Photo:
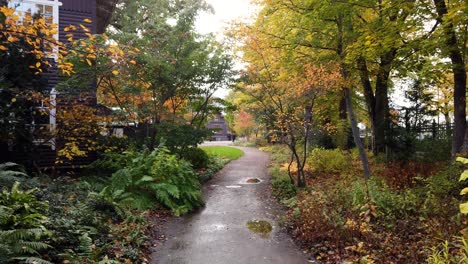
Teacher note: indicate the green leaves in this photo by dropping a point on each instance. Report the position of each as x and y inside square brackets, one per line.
[160, 177]
[463, 177]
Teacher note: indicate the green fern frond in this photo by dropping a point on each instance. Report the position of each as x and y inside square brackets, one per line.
[7, 165]
[32, 260]
[86, 245]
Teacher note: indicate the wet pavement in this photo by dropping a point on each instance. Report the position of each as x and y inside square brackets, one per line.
[218, 233]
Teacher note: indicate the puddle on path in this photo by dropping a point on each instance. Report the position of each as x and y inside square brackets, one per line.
[260, 227]
[233, 186]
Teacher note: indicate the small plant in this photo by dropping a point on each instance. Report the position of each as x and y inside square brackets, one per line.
[446, 252]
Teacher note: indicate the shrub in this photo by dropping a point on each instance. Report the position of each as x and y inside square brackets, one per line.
[428, 153]
[314, 219]
[282, 187]
[215, 164]
[196, 156]
[325, 160]
[391, 205]
[111, 162]
[22, 233]
[160, 176]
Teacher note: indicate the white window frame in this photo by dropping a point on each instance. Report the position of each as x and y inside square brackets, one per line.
[53, 93]
[54, 3]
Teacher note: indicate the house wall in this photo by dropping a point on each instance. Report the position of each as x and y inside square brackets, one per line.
[72, 12]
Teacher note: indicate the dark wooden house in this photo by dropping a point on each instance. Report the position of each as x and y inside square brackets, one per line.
[221, 130]
[64, 13]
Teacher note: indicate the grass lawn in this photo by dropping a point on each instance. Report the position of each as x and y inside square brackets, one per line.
[223, 152]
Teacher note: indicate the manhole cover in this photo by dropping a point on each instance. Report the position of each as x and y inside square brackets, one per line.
[253, 180]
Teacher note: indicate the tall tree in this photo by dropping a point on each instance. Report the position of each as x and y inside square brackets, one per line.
[455, 48]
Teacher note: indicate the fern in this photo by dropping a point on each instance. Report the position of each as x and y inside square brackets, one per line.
[21, 226]
[170, 181]
[8, 176]
[33, 260]
[21, 244]
[86, 245]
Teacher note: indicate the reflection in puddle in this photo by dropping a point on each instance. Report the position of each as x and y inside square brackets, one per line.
[261, 227]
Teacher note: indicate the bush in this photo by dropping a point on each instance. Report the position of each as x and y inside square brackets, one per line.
[196, 156]
[326, 160]
[111, 162]
[215, 164]
[391, 205]
[22, 231]
[162, 177]
[282, 187]
[428, 153]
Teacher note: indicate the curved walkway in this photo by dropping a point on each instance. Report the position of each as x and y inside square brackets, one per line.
[218, 233]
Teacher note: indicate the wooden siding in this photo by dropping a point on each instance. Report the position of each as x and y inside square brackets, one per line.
[72, 12]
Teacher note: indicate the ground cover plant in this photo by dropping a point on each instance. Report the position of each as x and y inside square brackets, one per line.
[341, 217]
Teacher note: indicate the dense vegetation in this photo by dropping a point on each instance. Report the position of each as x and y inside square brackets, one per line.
[99, 217]
[160, 75]
[363, 105]
[341, 217]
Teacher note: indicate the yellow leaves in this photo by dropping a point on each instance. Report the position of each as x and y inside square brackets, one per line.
[464, 208]
[84, 28]
[133, 62]
[87, 20]
[89, 62]
[38, 64]
[115, 73]
[464, 191]
[7, 12]
[12, 39]
[3, 48]
[13, 100]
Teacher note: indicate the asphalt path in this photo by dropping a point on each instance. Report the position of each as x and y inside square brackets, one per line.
[218, 232]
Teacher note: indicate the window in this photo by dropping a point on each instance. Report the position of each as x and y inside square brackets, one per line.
[43, 117]
[49, 9]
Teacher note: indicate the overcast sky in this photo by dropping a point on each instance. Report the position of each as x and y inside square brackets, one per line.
[225, 11]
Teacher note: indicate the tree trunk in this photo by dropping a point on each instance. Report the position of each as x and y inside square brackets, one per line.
[382, 115]
[354, 127]
[369, 96]
[307, 126]
[459, 79]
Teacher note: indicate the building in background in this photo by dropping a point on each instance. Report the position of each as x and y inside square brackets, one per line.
[221, 130]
